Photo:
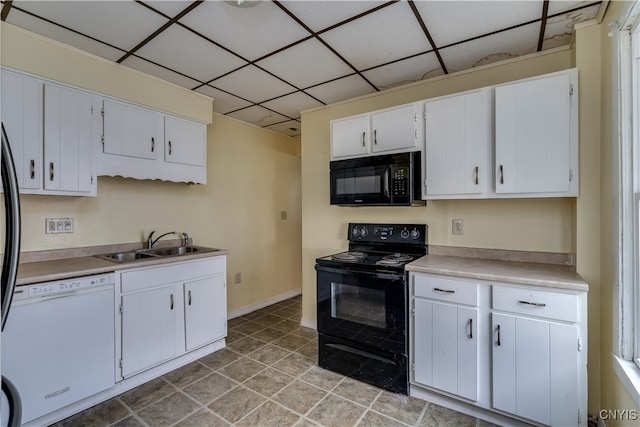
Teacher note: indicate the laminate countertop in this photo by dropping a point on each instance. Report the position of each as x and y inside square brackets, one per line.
[524, 273]
[45, 270]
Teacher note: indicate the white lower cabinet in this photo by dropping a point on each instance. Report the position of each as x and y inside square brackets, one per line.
[444, 334]
[169, 310]
[515, 349]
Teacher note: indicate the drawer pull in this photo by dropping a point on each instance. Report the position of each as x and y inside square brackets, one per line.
[535, 304]
[470, 329]
[498, 329]
[446, 291]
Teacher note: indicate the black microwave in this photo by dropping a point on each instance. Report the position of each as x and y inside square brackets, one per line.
[386, 180]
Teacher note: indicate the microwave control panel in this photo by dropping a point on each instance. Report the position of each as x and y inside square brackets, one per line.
[400, 181]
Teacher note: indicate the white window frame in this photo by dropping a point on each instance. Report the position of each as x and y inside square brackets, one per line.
[626, 114]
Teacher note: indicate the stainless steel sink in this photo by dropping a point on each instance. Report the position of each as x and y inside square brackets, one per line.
[154, 253]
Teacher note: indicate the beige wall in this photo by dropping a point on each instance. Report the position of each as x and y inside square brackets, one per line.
[253, 175]
[534, 225]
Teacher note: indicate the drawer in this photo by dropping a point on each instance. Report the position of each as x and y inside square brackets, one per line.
[445, 289]
[143, 278]
[533, 302]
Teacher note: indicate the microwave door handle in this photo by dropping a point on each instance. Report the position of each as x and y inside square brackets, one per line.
[387, 174]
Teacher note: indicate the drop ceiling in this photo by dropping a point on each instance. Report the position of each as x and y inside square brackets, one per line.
[265, 61]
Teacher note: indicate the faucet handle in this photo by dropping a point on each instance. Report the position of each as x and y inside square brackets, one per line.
[150, 240]
[185, 241]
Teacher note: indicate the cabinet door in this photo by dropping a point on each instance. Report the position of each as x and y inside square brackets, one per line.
[395, 128]
[504, 362]
[350, 136]
[22, 119]
[130, 131]
[205, 311]
[534, 136]
[149, 328]
[446, 347]
[185, 142]
[68, 163]
[455, 133]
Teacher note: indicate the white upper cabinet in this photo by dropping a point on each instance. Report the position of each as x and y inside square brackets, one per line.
[185, 141]
[350, 136]
[537, 136]
[392, 130]
[396, 129]
[51, 129]
[22, 119]
[457, 155]
[68, 160]
[130, 130]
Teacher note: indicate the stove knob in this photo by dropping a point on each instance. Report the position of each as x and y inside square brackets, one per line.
[404, 233]
[355, 231]
[415, 233]
[364, 232]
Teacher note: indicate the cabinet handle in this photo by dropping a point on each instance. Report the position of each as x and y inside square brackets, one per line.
[32, 169]
[501, 175]
[375, 137]
[447, 291]
[535, 304]
[363, 135]
[477, 170]
[471, 329]
[50, 171]
[498, 328]
[189, 297]
[170, 149]
[153, 144]
[171, 299]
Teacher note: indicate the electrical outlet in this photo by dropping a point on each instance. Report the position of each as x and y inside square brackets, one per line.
[58, 225]
[238, 278]
[457, 226]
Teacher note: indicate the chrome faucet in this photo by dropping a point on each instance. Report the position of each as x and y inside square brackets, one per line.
[185, 239]
[151, 241]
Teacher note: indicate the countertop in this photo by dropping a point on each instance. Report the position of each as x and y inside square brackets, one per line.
[64, 268]
[524, 273]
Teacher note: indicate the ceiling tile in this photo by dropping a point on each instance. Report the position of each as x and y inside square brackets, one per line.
[251, 32]
[62, 35]
[258, 116]
[559, 29]
[290, 128]
[557, 6]
[341, 89]
[168, 7]
[223, 102]
[159, 72]
[243, 84]
[366, 42]
[403, 72]
[453, 21]
[123, 26]
[189, 54]
[292, 104]
[319, 15]
[498, 47]
[306, 64]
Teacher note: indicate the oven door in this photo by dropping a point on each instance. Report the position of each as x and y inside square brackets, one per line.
[363, 307]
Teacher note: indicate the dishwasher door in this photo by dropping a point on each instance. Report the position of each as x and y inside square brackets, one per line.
[58, 347]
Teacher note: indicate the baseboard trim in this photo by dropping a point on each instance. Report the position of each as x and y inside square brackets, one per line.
[262, 304]
[308, 323]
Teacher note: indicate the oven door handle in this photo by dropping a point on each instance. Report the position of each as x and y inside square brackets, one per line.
[386, 182]
[361, 273]
[363, 353]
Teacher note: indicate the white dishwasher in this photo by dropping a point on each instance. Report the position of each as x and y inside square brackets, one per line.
[58, 343]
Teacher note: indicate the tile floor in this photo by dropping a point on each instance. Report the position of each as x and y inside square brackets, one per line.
[267, 376]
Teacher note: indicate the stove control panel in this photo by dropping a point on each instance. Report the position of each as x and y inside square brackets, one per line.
[413, 234]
